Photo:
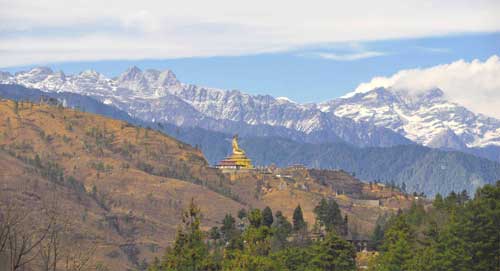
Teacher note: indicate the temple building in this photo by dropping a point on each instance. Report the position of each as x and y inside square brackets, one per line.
[237, 160]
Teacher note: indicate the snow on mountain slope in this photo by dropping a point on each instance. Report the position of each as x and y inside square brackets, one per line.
[157, 96]
[380, 117]
[426, 118]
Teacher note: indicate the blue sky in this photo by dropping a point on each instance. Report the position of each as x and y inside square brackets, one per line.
[309, 74]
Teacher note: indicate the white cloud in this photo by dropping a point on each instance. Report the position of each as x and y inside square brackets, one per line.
[219, 27]
[475, 84]
[350, 56]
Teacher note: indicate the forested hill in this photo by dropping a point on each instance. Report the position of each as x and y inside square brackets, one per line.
[457, 233]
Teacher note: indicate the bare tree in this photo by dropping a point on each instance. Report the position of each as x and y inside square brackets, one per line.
[41, 236]
[8, 220]
[79, 257]
[23, 240]
[49, 249]
[14, 245]
[60, 250]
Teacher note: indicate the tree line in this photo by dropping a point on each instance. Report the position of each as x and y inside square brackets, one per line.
[260, 240]
[455, 233]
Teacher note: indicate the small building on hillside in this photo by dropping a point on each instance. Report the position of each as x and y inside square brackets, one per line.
[297, 167]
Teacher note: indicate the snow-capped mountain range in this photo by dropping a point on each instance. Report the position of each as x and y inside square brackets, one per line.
[380, 117]
[426, 118]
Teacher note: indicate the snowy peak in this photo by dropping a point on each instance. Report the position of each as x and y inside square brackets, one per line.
[133, 79]
[34, 75]
[147, 84]
[425, 117]
[167, 78]
[153, 77]
[40, 71]
[432, 95]
[90, 74]
[131, 74]
[285, 100]
[416, 99]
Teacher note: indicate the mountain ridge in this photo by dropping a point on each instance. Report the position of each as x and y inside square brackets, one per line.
[141, 95]
[380, 117]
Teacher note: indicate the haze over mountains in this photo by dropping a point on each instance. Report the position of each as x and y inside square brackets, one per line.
[312, 134]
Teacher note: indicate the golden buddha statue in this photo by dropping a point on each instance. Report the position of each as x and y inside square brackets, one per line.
[237, 160]
[236, 148]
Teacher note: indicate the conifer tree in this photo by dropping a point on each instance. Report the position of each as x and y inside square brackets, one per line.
[282, 229]
[255, 218]
[242, 213]
[452, 249]
[457, 234]
[328, 215]
[189, 252]
[438, 201]
[298, 219]
[397, 247]
[333, 253]
[228, 227]
[267, 217]
[214, 233]
[377, 236]
[480, 224]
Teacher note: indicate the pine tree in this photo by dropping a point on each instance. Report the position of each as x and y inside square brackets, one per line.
[242, 213]
[255, 218]
[480, 224]
[438, 201]
[298, 219]
[452, 251]
[228, 227]
[463, 197]
[451, 201]
[328, 215]
[214, 233]
[397, 250]
[333, 253]
[189, 252]
[295, 258]
[457, 234]
[282, 229]
[267, 217]
[377, 236]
